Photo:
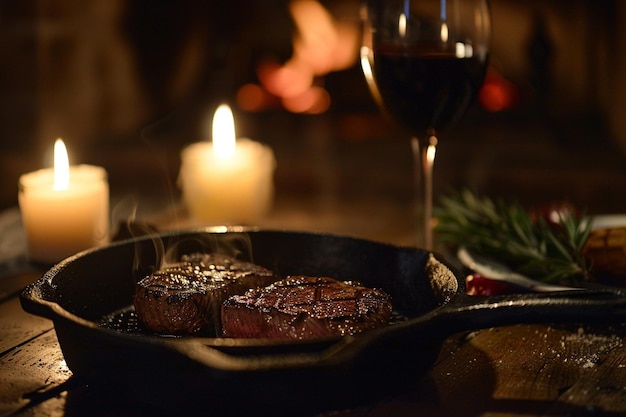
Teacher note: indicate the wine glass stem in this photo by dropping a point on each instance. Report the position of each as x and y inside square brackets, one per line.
[423, 161]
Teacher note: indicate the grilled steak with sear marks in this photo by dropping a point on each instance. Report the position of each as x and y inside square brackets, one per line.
[186, 297]
[300, 307]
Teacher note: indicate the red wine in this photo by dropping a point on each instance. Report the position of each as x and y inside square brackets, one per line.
[424, 89]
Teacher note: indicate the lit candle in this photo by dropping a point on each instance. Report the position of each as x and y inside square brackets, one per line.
[228, 180]
[65, 209]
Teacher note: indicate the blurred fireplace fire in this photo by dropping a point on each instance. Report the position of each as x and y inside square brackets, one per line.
[101, 71]
[120, 59]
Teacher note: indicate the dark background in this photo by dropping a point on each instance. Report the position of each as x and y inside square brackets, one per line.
[127, 83]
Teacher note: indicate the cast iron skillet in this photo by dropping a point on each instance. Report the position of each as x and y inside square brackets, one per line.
[288, 377]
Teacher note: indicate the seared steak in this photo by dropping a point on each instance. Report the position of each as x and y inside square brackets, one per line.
[186, 297]
[300, 307]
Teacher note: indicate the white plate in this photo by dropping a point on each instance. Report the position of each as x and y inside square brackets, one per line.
[496, 271]
[608, 220]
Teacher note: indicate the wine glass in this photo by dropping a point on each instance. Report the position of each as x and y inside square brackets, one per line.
[425, 61]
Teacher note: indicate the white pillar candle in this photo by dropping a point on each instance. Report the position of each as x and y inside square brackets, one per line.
[65, 209]
[228, 180]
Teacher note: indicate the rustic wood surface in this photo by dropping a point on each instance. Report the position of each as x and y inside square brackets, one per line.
[521, 370]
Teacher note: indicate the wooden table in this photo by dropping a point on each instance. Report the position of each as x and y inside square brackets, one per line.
[522, 370]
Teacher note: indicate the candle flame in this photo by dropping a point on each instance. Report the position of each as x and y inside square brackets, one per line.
[444, 32]
[402, 25]
[61, 166]
[224, 142]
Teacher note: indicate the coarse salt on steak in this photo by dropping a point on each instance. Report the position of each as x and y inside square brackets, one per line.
[301, 307]
[185, 297]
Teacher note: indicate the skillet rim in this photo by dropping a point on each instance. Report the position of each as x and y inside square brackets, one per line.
[34, 301]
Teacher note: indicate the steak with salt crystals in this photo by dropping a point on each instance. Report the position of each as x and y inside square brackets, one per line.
[301, 307]
[185, 297]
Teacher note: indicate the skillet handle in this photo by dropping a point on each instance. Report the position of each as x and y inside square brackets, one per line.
[463, 314]
[36, 299]
[585, 306]
[217, 359]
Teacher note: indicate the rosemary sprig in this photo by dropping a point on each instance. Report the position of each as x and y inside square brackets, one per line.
[549, 251]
